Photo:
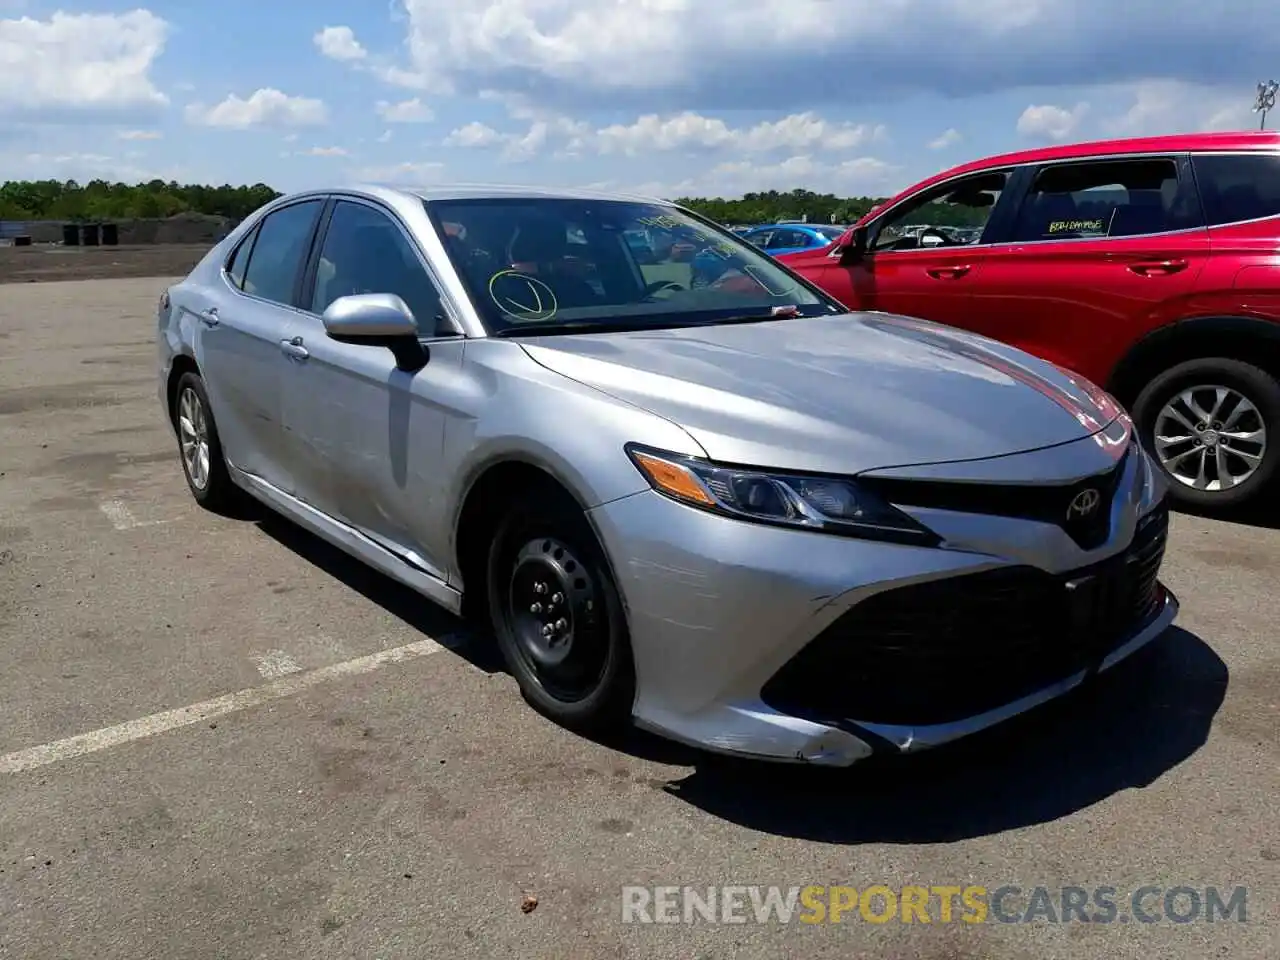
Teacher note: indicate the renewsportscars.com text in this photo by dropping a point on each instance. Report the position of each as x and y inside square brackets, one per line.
[972, 904]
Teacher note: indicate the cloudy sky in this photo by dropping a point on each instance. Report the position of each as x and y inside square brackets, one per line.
[673, 97]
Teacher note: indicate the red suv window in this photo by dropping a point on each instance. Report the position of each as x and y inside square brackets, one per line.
[1238, 187]
[1112, 198]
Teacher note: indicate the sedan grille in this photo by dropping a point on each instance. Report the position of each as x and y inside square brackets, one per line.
[1047, 503]
[949, 649]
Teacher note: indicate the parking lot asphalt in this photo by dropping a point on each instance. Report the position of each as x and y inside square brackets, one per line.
[356, 779]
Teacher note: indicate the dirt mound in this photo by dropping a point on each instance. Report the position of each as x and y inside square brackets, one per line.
[46, 262]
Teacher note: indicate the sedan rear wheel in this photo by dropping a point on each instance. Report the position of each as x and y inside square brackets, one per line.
[199, 446]
[193, 438]
[1213, 426]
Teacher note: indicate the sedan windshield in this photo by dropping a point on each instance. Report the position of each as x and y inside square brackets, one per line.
[537, 265]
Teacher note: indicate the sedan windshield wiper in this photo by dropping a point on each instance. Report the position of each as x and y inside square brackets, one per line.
[578, 326]
[640, 324]
[777, 313]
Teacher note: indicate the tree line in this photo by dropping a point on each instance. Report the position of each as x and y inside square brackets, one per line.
[773, 205]
[101, 200]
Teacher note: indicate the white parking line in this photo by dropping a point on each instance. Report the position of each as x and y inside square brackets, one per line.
[122, 518]
[92, 742]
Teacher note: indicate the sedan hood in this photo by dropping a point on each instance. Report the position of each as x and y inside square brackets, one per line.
[838, 394]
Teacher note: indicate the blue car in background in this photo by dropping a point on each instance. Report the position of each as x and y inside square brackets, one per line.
[779, 238]
[690, 266]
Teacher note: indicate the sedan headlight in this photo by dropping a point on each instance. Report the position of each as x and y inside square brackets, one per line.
[824, 504]
[1151, 477]
[1107, 405]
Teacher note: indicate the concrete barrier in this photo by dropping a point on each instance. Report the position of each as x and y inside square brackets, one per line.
[185, 228]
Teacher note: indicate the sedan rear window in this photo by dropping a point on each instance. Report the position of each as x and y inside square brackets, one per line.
[279, 251]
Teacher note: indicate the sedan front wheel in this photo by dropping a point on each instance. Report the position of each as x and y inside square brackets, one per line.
[558, 616]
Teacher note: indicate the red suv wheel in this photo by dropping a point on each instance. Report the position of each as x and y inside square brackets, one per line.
[1213, 425]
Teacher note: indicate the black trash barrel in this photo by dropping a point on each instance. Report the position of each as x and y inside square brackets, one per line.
[89, 233]
[71, 235]
[110, 235]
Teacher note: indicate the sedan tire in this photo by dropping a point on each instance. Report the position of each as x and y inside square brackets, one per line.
[199, 448]
[558, 618]
[1213, 425]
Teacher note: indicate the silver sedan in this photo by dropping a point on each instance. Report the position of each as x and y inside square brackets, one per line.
[683, 486]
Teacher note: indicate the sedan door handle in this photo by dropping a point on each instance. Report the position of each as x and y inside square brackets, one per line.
[949, 273]
[209, 317]
[1157, 268]
[294, 349]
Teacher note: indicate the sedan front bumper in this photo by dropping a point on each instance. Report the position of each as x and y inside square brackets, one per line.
[907, 738]
[747, 639]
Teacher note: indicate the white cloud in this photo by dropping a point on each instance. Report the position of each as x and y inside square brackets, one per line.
[266, 107]
[535, 139]
[325, 152]
[1049, 122]
[948, 138]
[139, 135]
[542, 133]
[1169, 106]
[407, 173]
[409, 79]
[652, 132]
[407, 111]
[799, 131]
[92, 159]
[665, 52]
[384, 137]
[339, 43]
[81, 62]
[860, 176]
[473, 134]
[85, 166]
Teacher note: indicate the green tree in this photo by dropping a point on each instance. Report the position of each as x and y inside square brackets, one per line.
[103, 200]
[772, 206]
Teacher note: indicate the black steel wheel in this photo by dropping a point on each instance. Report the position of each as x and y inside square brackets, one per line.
[558, 618]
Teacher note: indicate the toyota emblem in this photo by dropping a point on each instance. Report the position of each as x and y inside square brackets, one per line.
[1084, 504]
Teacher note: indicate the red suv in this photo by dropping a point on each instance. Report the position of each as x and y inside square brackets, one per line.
[1150, 266]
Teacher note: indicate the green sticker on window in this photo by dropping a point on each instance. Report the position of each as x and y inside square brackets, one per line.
[1075, 226]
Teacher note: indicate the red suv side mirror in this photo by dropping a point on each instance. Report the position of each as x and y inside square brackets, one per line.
[853, 245]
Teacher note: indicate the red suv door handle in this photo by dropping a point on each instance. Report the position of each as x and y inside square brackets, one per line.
[1156, 268]
[948, 273]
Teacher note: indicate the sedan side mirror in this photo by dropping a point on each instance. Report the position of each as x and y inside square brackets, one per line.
[377, 320]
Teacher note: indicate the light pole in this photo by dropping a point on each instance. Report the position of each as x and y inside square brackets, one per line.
[1266, 100]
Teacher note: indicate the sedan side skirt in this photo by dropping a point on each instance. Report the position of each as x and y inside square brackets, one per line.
[350, 541]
